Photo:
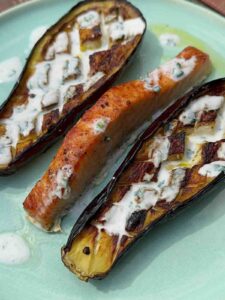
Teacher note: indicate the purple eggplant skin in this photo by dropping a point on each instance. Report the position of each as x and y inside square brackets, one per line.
[58, 130]
[211, 88]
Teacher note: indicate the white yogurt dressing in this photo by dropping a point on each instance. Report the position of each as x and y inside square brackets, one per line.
[141, 196]
[62, 189]
[22, 121]
[126, 29]
[169, 39]
[36, 34]
[148, 177]
[100, 125]
[5, 150]
[13, 249]
[205, 103]
[213, 169]
[75, 41]
[176, 69]
[10, 69]
[152, 81]
[60, 45]
[159, 149]
[89, 19]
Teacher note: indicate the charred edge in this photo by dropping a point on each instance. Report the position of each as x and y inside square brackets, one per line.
[209, 116]
[209, 151]
[137, 171]
[177, 143]
[187, 177]
[136, 220]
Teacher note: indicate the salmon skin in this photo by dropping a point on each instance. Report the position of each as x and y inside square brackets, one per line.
[102, 128]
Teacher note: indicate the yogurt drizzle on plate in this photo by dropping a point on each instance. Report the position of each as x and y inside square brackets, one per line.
[13, 249]
[10, 69]
[169, 39]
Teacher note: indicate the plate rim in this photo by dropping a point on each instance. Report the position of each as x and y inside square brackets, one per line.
[199, 7]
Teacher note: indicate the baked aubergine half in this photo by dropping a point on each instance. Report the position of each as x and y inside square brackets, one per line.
[68, 69]
[104, 126]
[179, 157]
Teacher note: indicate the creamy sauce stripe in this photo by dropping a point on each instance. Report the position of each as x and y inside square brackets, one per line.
[176, 69]
[141, 196]
[62, 189]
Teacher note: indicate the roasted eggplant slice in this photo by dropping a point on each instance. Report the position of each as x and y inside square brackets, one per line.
[127, 208]
[68, 69]
[119, 111]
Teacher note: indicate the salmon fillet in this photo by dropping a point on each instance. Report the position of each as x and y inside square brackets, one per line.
[102, 128]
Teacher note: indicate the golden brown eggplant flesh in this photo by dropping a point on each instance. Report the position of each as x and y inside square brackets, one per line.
[180, 157]
[68, 69]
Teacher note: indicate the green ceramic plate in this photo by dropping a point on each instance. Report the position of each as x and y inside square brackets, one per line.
[181, 259]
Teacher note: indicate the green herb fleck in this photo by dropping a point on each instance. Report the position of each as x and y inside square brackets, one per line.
[101, 125]
[179, 65]
[161, 183]
[156, 88]
[178, 73]
[139, 193]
